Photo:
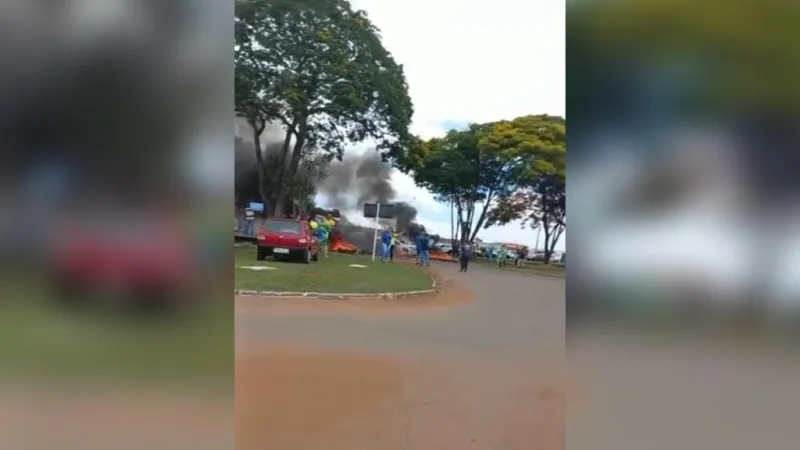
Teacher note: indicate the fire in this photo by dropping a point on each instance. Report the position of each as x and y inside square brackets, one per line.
[439, 255]
[342, 246]
[339, 245]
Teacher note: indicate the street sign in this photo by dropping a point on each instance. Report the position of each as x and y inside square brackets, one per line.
[373, 211]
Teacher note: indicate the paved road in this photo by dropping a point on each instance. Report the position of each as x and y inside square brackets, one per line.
[478, 375]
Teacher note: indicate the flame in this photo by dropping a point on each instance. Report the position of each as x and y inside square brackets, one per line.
[439, 255]
[342, 246]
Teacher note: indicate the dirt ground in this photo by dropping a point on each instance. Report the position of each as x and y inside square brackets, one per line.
[92, 417]
[462, 369]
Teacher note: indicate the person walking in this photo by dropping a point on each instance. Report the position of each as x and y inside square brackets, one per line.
[464, 255]
[386, 242]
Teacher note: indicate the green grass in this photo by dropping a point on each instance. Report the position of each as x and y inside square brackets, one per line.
[332, 274]
[530, 267]
[40, 340]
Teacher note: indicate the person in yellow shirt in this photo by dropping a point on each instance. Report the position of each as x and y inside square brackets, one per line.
[391, 245]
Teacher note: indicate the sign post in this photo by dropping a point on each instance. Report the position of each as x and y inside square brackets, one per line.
[378, 211]
[377, 225]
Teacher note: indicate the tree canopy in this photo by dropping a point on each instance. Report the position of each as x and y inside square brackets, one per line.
[539, 197]
[319, 69]
[733, 54]
[482, 167]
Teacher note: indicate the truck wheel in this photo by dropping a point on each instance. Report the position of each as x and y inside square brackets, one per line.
[306, 257]
[261, 255]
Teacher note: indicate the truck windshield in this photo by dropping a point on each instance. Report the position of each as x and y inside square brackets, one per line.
[280, 226]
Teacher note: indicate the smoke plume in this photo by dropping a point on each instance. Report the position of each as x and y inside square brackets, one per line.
[366, 178]
[350, 183]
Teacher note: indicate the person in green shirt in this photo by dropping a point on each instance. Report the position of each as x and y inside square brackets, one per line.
[323, 234]
[502, 254]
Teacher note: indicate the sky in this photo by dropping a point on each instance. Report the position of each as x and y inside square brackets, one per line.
[473, 61]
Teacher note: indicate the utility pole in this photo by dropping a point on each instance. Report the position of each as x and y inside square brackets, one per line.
[375, 238]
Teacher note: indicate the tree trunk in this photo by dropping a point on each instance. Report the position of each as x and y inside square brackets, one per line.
[558, 230]
[452, 220]
[258, 128]
[459, 214]
[482, 217]
[285, 173]
[466, 225]
[548, 252]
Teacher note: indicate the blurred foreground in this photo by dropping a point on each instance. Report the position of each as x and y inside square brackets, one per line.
[683, 287]
[116, 176]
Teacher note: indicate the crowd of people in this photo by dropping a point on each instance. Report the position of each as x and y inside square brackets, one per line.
[322, 227]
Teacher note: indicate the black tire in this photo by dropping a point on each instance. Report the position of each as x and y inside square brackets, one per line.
[306, 257]
[261, 255]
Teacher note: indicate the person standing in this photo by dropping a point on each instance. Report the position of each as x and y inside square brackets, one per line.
[386, 242]
[418, 244]
[464, 255]
[425, 250]
[328, 222]
[391, 246]
[523, 254]
[322, 235]
[502, 254]
[250, 218]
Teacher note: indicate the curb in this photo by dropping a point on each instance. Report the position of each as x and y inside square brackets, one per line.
[335, 295]
[542, 274]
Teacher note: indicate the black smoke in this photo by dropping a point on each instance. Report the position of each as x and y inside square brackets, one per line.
[366, 178]
[350, 183]
[244, 160]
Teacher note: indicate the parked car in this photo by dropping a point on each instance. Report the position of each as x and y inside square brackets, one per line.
[131, 262]
[287, 238]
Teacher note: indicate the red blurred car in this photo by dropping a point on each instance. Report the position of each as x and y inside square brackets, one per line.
[287, 238]
[148, 262]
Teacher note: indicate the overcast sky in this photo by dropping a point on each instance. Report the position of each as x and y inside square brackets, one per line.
[473, 61]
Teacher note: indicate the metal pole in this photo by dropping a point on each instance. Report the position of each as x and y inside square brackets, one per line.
[538, 232]
[375, 238]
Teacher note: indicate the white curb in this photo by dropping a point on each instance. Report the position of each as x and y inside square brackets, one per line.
[336, 295]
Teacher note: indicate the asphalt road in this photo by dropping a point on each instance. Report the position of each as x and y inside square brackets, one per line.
[479, 374]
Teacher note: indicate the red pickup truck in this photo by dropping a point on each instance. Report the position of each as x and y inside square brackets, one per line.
[287, 238]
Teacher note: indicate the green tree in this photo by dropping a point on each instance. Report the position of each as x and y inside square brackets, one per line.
[475, 169]
[738, 54]
[540, 206]
[319, 69]
[539, 197]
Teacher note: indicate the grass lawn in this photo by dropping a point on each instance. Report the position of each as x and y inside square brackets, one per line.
[530, 266]
[332, 274]
[38, 340]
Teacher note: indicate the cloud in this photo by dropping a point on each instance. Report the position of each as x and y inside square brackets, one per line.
[469, 62]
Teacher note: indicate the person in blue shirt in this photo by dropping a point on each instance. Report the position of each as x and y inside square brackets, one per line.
[418, 244]
[386, 244]
[424, 250]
